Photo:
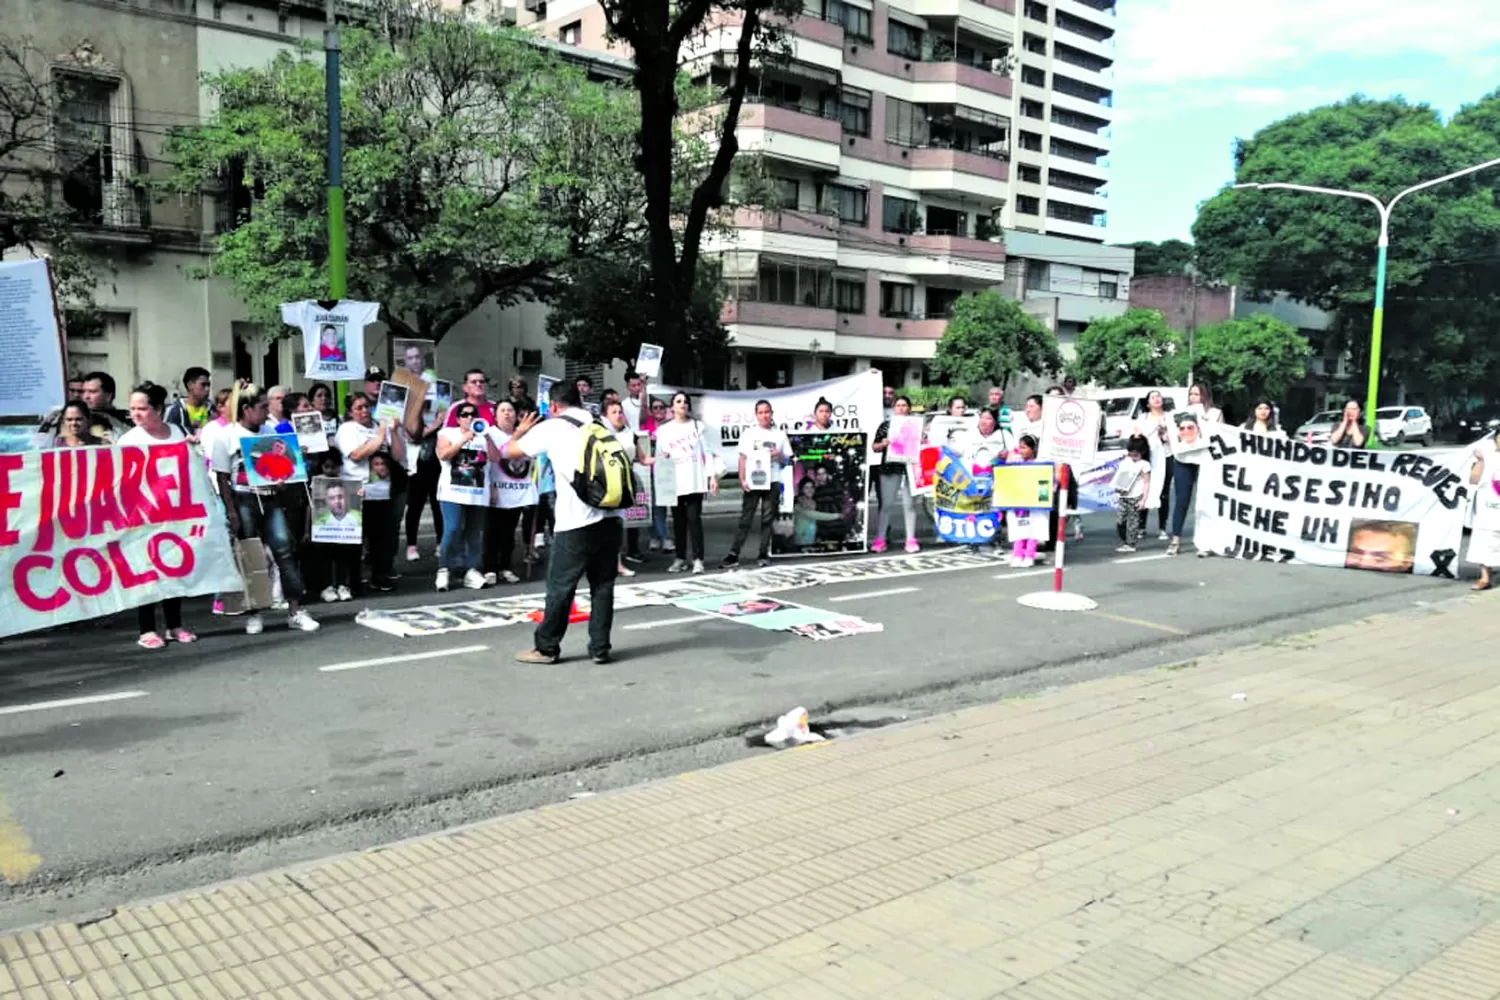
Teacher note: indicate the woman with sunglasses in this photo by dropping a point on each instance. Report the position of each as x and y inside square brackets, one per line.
[654, 417]
[464, 496]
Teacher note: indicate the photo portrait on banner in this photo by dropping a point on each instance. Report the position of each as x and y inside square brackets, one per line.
[439, 398]
[391, 403]
[824, 508]
[416, 357]
[272, 460]
[336, 511]
[312, 434]
[465, 476]
[333, 340]
[1267, 498]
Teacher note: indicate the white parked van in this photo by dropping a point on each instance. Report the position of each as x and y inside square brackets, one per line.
[1123, 407]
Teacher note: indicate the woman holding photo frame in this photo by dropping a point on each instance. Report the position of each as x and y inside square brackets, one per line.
[894, 479]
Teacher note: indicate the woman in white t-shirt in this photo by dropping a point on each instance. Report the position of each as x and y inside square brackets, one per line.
[463, 492]
[147, 404]
[359, 439]
[513, 498]
[1184, 471]
[1155, 425]
[680, 442]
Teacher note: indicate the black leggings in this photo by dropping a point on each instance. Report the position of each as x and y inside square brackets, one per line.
[500, 536]
[422, 491]
[687, 522]
[171, 612]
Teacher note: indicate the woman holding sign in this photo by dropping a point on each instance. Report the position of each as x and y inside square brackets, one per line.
[681, 443]
[1183, 469]
[893, 482]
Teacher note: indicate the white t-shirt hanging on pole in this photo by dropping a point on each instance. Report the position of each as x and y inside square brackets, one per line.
[333, 340]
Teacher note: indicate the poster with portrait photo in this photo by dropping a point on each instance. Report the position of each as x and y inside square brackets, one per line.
[467, 481]
[439, 398]
[271, 460]
[1189, 443]
[416, 357]
[391, 403]
[312, 433]
[944, 431]
[337, 517]
[379, 485]
[823, 509]
[544, 385]
[648, 361]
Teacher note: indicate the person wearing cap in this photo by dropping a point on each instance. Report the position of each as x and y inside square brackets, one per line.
[519, 397]
[374, 375]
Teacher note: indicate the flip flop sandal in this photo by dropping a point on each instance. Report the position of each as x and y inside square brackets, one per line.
[151, 641]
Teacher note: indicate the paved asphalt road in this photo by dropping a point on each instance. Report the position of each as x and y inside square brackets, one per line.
[243, 755]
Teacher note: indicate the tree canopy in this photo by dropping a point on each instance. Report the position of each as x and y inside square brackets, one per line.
[1444, 270]
[1166, 257]
[476, 165]
[1242, 359]
[989, 340]
[1138, 348]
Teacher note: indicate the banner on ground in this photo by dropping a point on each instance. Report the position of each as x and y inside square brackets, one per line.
[824, 486]
[86, 532]
[858, 406]
[1276, 500]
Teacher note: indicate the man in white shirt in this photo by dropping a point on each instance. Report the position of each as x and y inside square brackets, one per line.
[764, 450]
[586, 540]
[635, 387]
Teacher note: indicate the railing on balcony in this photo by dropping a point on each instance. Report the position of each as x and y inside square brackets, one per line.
[1082, 91]
[1082, 186]
[1079, 58]
[1103, 6]
[826, 112]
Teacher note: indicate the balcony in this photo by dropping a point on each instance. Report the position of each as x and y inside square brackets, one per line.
[1063, 132]
[934, 75]
[963, 245]
[790, 221]
[776, 314]
[795, 134]
[1101, 12]
[912, 327]
[994, 18]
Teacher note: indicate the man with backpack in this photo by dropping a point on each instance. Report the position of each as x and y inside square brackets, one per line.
[594, 487]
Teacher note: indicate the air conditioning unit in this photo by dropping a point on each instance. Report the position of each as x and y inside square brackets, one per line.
[527, 358]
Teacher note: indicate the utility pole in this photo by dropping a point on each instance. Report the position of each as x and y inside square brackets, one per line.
[337, 239]
[1193, 330]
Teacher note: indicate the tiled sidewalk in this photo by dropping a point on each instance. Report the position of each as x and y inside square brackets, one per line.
[1332, 833]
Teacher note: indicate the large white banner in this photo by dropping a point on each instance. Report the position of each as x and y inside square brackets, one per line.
[86, 532]
[858, 405]
[1271, 499]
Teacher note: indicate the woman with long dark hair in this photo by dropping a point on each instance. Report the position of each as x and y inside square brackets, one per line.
[1184, 472]
[681, 443]
[74, 427]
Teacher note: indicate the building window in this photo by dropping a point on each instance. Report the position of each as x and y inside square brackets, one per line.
[89, 161]
[1028, 174]
[849, 295]
[1036, 11]
[1031, 141]
[1034, 77]
[1109, 290]
[1085, 123]
[786, 191]
[946, 222]
[897, 300]
[1038, 279]
[905, 123]
[940, 302]
[1080, 58]
[1027, 205]
[1074, 151]
[1064, 212]
[235, 203]
[899, 215]
[787, 281]
[1035, 44]
[854, 110]
[1082, 91]
[856, 21]
[571, 34]
[1031, 109]
[1073, 182]
[851, 205]
[903, 40]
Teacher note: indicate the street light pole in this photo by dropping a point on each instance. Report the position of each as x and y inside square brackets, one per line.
[338, 281]
[1377, 326]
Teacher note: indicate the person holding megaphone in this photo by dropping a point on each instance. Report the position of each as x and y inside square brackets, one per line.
[463, 493]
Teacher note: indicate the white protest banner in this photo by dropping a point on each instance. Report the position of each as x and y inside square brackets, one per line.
[32, 382]
[858, 405]
[86, 532]
[1267, 498]
[1070, 430]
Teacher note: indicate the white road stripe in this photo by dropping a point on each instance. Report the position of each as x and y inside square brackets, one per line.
[670, 621]
[875, 593]
[1136, 559]
[1028, 572]
[381, 661]
[94, 699]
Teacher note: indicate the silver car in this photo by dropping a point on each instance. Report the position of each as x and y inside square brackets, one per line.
[1319, 427]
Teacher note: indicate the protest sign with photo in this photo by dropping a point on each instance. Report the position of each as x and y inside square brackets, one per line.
[439, 397]
[1023, 486]
[512, 480]
[465, 476]
[544, 384]
[1189, 443]
[648, 361]
[823, 509]
[337, 517]
[32, 380]
[1096, 491]
[333, 340]
[905, 438]
[379, 485]
[416, 357]
[391, 403]
[944, 431]
[86, 532]
[1268, 498]
[1070, 430]
[312, 435]
[272, 460]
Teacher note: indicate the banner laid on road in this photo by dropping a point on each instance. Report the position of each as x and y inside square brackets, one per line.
[1271, 499]
[858, 406]
[87, 532]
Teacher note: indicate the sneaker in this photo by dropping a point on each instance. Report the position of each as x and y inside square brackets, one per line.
[535, 656]
[254, 625]
[302, 622]
[634, 557]
[279, 604]
[877, 545]
[151, 640]
[490, 579]
[697, 565]
[912, 545]
[329, 595]
[218, 608]
[730, 561]
[412, 555]
[1163, 537]
[763, 563]
[1014, 562]
[1125, 548]
[678, 566]
[624, 570]
[509, 577]
[383, 586]
[1078, 532]
[654, 545]
[344, 594]
[540, 541]
[602, 658]
[183, 636]
[1027, 563]
[474, 580]
[442, 580]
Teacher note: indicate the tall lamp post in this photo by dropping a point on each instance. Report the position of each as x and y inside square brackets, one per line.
[337, 240]
[1372, 392]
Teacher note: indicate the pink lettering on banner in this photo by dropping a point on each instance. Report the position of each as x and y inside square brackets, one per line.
[10, 499]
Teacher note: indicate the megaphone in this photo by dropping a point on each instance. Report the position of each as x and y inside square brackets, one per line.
[478, 426]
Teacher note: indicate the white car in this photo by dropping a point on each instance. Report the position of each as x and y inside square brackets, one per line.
[1400, 424]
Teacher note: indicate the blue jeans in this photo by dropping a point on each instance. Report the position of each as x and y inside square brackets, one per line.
[463, 536]
[264, 518]
[1184, 478]
[659, 523]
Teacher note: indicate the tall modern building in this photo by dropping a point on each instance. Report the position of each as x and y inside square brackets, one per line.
[905, 142]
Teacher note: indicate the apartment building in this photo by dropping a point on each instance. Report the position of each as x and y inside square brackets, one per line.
[905, 141]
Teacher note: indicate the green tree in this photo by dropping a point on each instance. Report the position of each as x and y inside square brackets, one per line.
[1443, 269]
[1138, 348]
[989, 340]
[1166, 257]
[31, 222]
[604, 311]
[477, 164]
[1246, 358]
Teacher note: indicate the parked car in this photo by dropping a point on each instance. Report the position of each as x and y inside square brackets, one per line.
[1475, 425]
[1121, 408]
[1317, 428]
[1400, 424]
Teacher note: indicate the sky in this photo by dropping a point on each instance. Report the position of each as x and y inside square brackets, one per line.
[1191, 76]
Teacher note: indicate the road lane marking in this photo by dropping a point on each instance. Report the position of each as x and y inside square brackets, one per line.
[1170, 629]
[1047, 571]
[875, 593]
[669, 621]
[17, 859]
[381, 661]
[1136, 559]
[93, 699]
